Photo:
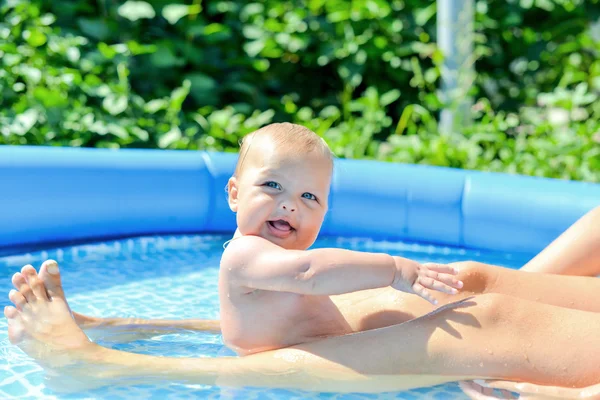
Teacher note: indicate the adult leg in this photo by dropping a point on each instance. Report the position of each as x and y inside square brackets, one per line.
[574, 292]
[123, 330]
[127, 329]
[488, 336]
[575, 252]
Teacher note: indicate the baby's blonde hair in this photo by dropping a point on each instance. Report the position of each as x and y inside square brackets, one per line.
[286, 137]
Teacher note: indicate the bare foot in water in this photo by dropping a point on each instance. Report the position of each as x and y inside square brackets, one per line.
[41, 323]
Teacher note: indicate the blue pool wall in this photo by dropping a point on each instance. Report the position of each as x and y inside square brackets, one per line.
[61, 195]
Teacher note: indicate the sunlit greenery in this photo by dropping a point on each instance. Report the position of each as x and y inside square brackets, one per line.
[362, 73]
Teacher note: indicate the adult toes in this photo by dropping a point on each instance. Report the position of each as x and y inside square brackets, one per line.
[17, 299]
[20, 283]
[10, 312]
[50, 275]
[34, 282]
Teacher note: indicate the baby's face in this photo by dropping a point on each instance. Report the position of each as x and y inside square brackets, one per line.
[281, 197]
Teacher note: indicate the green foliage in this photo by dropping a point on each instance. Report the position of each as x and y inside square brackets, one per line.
[363, 74]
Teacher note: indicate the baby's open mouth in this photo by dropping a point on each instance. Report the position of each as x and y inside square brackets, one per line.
[281, 225]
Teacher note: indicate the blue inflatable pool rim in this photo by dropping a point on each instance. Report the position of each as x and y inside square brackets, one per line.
[60, 195]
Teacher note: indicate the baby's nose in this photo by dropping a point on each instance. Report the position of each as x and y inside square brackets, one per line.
[289, 208]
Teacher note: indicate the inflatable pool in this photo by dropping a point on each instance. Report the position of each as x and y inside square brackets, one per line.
[136, 231]
[59, 195]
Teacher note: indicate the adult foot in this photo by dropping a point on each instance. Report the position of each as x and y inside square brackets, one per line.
[54, 288]
[41, 324]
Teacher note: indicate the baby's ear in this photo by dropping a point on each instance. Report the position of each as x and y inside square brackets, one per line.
[232, 192]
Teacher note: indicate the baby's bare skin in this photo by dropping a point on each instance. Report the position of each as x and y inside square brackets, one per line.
[274, 292]
[255, 320]
[260, 313]
[271, 320]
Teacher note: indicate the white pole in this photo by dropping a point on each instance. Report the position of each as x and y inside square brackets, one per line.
[455, 40]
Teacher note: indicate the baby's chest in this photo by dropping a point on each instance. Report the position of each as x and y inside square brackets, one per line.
[287, 312]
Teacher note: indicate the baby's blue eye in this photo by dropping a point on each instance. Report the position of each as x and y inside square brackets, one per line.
[309, 196]
[273, 185]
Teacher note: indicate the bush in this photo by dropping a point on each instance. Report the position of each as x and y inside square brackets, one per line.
[363, 74]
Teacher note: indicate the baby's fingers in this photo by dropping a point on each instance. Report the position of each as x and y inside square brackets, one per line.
[419, 290]
[443, 268]
[431, 283]
[448, 279]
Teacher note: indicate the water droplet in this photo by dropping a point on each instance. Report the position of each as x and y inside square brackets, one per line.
[481, 364]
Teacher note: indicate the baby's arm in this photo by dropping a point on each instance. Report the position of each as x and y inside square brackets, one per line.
[259, 264]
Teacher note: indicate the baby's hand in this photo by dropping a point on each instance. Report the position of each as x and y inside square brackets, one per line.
[413, 277]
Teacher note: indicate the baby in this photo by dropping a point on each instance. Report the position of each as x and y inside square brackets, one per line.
[274, 292]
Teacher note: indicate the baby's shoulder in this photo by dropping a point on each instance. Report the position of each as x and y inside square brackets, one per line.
[243, 250]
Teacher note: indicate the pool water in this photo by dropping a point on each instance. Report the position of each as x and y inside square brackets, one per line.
[175, 277]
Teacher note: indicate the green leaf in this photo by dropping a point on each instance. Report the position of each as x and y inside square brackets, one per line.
[24, 122]
[73, 54]
[261, 65]
[155, 105]
[253, 32]
[254, 47]
[107, 51]
[135, 10]
[141, 134]
[174, 12]
[215, 28]
[35, 37]
[389, 97]
[136, 49]
[423, 15]
[178, 96]
[50, 98]
[167, 139]
[261, 119]
[118, 131]
[47, 19]
[115, 104]
[251, 9]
